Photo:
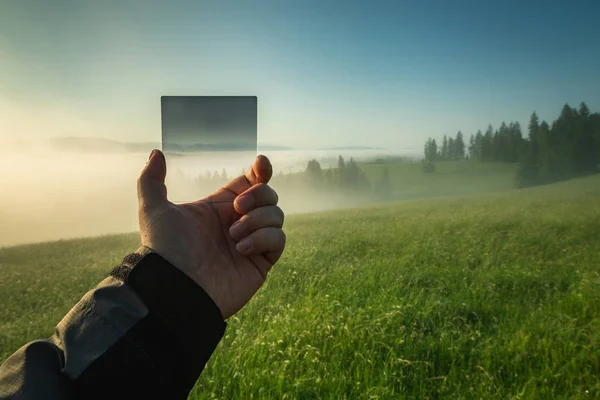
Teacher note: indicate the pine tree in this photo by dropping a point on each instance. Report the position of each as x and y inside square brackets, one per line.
[528, 172]
[546, 168]
[487, 153]
[472, 147]
[314, 173]
[353, 173]
[585, 150]
[595, 127]
[503, 147]
[431, 150]
[478, 146]
[342, 179]
[450, 155]
[563, 134]
[534, 126]
[515, 142]
[495, 149]
[459, 146]
[445, 149]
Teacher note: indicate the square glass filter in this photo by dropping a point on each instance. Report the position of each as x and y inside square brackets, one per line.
[207, 141]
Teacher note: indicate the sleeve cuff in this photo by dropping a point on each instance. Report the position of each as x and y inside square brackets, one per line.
[190, 316]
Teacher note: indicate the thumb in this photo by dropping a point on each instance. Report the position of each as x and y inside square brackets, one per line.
[151, 188]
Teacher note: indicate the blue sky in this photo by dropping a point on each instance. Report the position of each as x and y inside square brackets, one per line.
[326, 73]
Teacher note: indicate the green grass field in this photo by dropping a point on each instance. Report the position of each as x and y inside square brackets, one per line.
[489, 296]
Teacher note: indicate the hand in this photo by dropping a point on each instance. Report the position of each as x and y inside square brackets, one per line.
[226, 248]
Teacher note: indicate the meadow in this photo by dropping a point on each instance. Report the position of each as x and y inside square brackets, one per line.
[493, 295]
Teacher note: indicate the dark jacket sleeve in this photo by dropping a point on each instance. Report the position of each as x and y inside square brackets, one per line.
[146, 331]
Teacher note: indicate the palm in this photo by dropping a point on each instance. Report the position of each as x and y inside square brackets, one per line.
[195, 237]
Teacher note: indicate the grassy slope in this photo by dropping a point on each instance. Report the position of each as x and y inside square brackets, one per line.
[493, 296]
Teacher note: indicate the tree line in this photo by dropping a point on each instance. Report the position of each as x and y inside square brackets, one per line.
[569, 147]
[211, 178]
[347, 176]
[450, 149]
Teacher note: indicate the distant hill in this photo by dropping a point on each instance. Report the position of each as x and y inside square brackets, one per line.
[352, 148]
[98, 144]
[95, 144]
[274, 147]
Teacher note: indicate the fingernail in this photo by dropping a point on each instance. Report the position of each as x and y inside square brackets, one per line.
[162, 160]
[244, 246]
[151, 154]
[245, 202]
[236, 229]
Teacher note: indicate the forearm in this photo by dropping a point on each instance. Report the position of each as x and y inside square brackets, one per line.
[146, 331]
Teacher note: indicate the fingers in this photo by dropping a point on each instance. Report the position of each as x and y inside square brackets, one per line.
[262, 169]
[259, 229]
[260, 172]
[263, 217]
[151, 182]
[269, 241]
[259, 195]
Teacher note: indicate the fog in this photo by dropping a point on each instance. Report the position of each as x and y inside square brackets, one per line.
[49, 193]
